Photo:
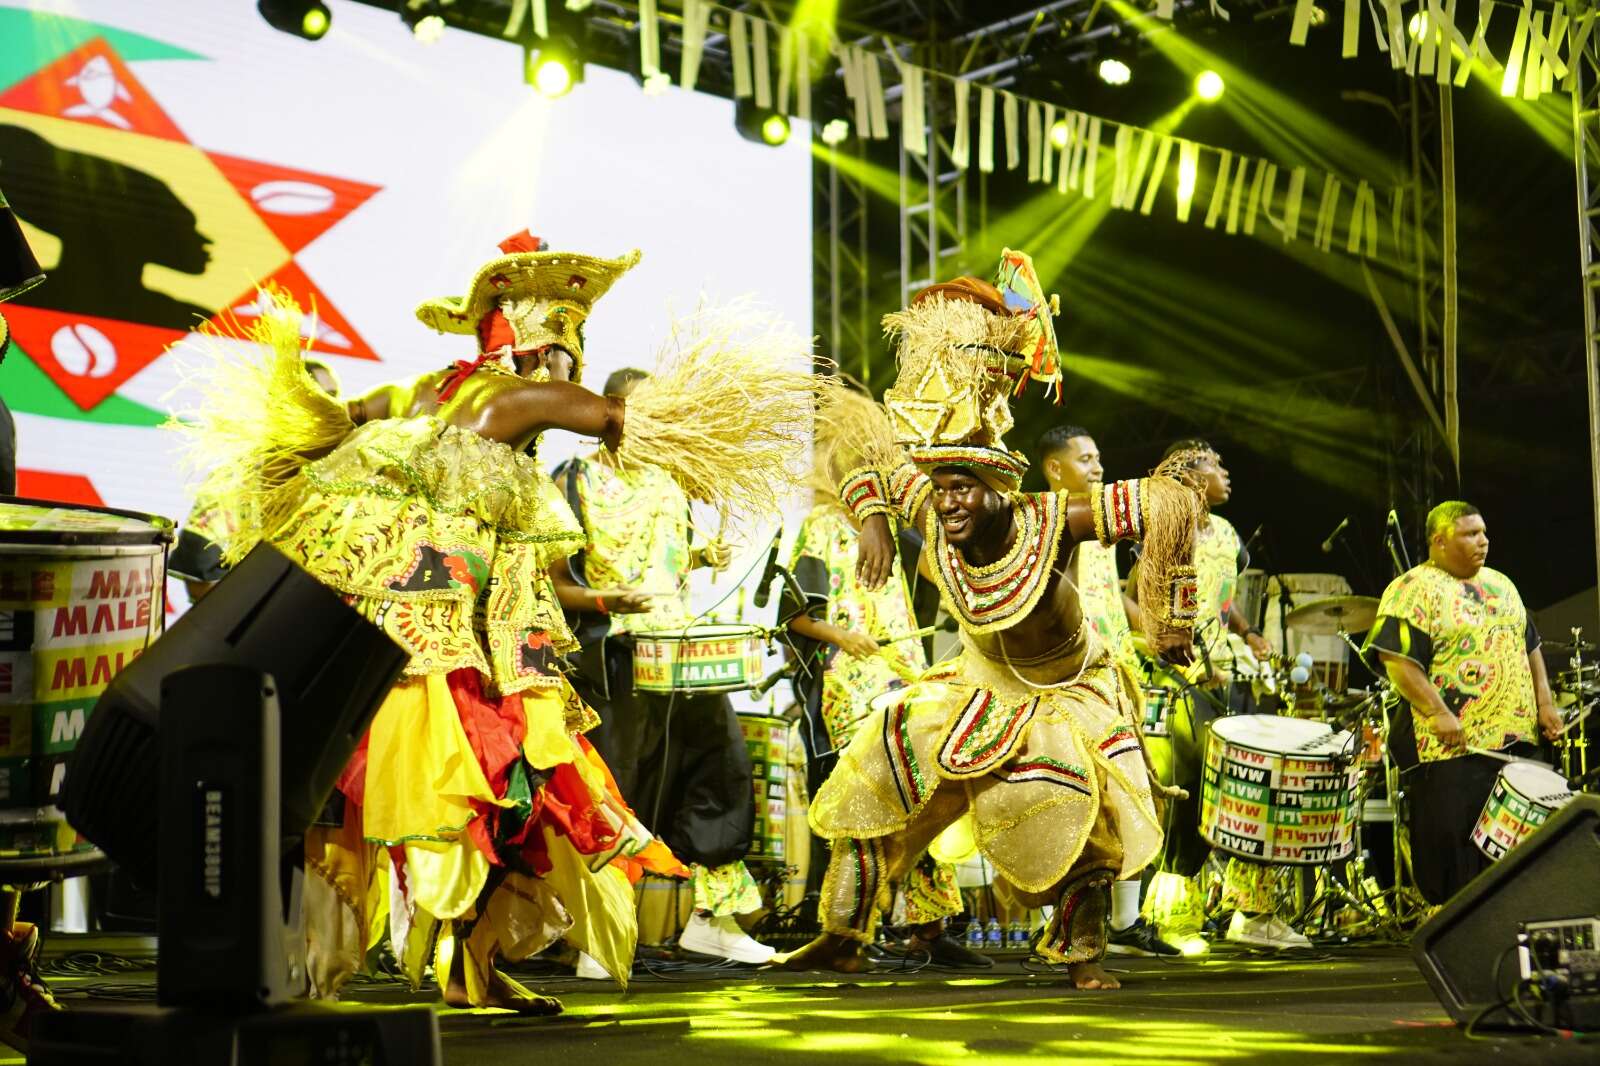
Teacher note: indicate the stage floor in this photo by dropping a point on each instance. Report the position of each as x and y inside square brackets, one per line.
[1353, 1004]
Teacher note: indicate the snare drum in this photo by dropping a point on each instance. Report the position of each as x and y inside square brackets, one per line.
[713, 658]
[1524, 795]
[767, 739]
[81, 596]
[1279, 790]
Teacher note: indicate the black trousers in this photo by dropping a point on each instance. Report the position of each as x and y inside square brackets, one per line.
[1443, 801]
[680, 761]
[1181, 756]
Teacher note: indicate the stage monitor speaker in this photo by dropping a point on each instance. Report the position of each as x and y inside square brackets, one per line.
[1468, 950]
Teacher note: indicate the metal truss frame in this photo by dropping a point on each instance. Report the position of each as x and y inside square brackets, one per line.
[1586, 164]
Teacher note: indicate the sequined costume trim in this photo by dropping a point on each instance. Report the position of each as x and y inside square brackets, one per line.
[998, 595]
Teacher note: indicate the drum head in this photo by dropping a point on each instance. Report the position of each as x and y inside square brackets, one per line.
[24, 521]
[1538, 783]
[719, 631]
[1273, 734]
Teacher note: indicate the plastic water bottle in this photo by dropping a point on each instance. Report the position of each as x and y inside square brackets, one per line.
[1017, 934]
[975, 935]
[993, 937]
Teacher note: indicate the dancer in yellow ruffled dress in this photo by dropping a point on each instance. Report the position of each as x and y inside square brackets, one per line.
[424, 503]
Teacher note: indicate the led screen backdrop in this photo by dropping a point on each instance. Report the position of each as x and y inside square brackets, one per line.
[167, 156]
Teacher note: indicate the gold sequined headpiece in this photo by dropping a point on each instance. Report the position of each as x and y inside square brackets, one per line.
[544, 296]
[964, 347]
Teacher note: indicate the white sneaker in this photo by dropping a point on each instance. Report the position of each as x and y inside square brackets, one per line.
[590, 970]
[1264, 931]
[723, 938]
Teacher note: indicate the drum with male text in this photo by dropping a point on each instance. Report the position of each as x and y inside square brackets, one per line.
[81, 596]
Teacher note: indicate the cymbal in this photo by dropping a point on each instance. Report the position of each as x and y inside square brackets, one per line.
[1568, 646]
[1352, 614]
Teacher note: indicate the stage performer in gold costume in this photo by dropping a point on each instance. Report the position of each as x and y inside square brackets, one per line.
[425, 505]
[1030, 728]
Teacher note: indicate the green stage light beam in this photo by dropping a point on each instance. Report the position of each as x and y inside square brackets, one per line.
[1284, 128]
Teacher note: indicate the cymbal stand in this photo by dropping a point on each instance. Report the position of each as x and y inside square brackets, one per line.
[1393, 911]
[1575, 734]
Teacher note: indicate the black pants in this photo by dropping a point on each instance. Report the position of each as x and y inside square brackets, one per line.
[1184, 850]
[1443, 801]
[680, 761]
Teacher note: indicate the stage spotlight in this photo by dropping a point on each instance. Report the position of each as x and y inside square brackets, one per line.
[760, 124]
[303, 18]
[1115, 72]
[555, 68]
[1208, 86]
[426, 22]
[1059, 132]
[774, 129]
[835, 131]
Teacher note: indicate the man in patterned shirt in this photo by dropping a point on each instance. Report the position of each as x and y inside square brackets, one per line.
[679, 759]
[1070, 459]
[1457, 643]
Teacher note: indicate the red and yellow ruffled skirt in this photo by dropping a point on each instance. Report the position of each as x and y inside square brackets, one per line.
[476, 823]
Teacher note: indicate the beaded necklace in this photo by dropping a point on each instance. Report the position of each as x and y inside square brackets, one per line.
[999, 595]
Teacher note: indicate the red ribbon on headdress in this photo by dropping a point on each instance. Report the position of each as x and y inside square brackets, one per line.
[494, 330]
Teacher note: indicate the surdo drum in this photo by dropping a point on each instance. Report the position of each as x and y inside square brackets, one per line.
[1279, 790]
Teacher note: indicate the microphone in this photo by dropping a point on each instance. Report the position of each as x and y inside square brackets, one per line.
[786, 670]
[1327, 545]
[764, 587]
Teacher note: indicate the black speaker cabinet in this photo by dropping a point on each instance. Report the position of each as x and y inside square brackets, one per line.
[1553, 874]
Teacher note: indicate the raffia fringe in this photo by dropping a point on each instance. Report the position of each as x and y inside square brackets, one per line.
[1173, 506]
[259, 418]
[729, 411]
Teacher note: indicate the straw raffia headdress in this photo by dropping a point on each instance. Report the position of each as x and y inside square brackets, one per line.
[966, 346]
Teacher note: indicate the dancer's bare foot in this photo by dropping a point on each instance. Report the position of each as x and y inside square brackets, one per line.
[503, 993]
[1091, 976]
[830, 951]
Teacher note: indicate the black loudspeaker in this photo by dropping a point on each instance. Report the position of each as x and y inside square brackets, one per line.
[331, 669]
[229, 939]
[1468, 950]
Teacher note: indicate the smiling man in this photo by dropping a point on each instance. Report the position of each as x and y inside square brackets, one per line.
[1458, 644]
[1030, 728]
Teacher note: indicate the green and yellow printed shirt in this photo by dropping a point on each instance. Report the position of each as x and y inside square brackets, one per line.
[1100, 596]
[1472, 638]
[849, 684]
[1216, 564]
[637, 525]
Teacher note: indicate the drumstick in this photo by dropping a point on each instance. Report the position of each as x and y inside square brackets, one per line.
[925, 631]
[1500, 755]
[1576, 720]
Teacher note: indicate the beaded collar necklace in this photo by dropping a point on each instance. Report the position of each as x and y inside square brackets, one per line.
[999, 595]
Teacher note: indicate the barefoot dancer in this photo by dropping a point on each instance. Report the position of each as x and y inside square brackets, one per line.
[473, 785]
[1030, 728]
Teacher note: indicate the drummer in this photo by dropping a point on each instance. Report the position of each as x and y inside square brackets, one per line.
[679, 759]
[1250, 888]
[1457, 642]
[1070, 459]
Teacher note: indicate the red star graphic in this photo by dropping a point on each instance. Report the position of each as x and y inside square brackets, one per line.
[211, 220]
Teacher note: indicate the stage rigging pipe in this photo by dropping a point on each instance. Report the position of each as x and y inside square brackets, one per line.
[1585, 120]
